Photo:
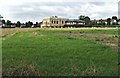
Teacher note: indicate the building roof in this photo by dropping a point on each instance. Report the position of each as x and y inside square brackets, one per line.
[74, 20]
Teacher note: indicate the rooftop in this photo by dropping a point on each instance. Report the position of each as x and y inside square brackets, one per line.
[74, 20]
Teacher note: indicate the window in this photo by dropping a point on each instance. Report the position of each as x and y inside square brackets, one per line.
[57, 22]
[52, 21]
[62, 22]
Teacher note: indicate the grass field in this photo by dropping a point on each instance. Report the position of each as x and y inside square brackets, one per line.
[79, 52]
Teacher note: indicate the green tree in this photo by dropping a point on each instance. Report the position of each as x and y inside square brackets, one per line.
[18, 24]
[108, 21]
[29, 24]
[81, 17]
[8, 22]
[87, 20]
[37, 24]
[3, 21]
[114, 17]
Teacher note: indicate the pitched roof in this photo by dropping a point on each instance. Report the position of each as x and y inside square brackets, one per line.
[74, 20]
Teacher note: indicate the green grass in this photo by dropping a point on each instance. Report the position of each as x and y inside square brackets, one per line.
[112, 31]
[47, 53]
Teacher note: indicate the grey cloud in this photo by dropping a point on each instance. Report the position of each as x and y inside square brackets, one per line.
[67, 9]
[36, 11]
[97, 3]
[105, 15]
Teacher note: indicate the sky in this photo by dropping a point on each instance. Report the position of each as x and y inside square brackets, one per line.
[36, 10]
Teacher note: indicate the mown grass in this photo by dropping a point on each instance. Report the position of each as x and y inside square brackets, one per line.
[48, 53]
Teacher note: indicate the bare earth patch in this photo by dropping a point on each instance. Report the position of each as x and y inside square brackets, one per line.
[24, 70]
[106, 39]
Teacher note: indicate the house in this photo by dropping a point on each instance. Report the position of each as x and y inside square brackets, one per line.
[13, 25]
[113, 21]
[53, 22]
[23, 25]
[1, 21]
[101, 21]
[74, 23]
[118, 21]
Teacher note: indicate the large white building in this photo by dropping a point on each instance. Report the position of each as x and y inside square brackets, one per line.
[57, 22]
[53, 21]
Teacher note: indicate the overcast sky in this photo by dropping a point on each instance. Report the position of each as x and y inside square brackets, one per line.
[35, 10]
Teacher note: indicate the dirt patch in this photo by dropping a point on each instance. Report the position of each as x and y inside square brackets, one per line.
[33, 34]
[106, 39]
[74, 68]
[90, 71]
[26, 70]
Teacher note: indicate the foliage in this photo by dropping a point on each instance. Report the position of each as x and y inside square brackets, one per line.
[85, 18]
[8, 22]
[3, 21]
[108, 21]
[18, 24]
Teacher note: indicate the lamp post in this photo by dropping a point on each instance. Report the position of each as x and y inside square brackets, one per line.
[1, 21]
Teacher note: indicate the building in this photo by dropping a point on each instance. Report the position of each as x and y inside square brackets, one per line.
[53, 22]
[101, 21]
[118, 21]
[74, 23]
[1, 21]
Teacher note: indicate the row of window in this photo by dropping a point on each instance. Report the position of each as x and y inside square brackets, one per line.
[53, 22]
[56, 22]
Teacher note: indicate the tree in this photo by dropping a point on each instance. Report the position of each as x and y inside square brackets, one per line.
[93, 22]
[29, 24]
[8, 22]
[37, 24]
[26, 24]
[81, 17]
[3, 21]
[87, 20]
[18, 24]
[114, 17]
[108, 21]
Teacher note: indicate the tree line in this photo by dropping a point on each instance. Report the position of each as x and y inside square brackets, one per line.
[86, 19]
[102, 22]
[9, 24]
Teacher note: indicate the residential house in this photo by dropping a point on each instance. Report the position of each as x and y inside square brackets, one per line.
[101, 21]
[74, 23]
[118, 21]
[113, 21]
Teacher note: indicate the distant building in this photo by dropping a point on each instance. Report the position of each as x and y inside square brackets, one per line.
[113, 21]
[74, 23]
[1, 21]
[56, 22]
[101, 21]
[118, 21]
[53, 22]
